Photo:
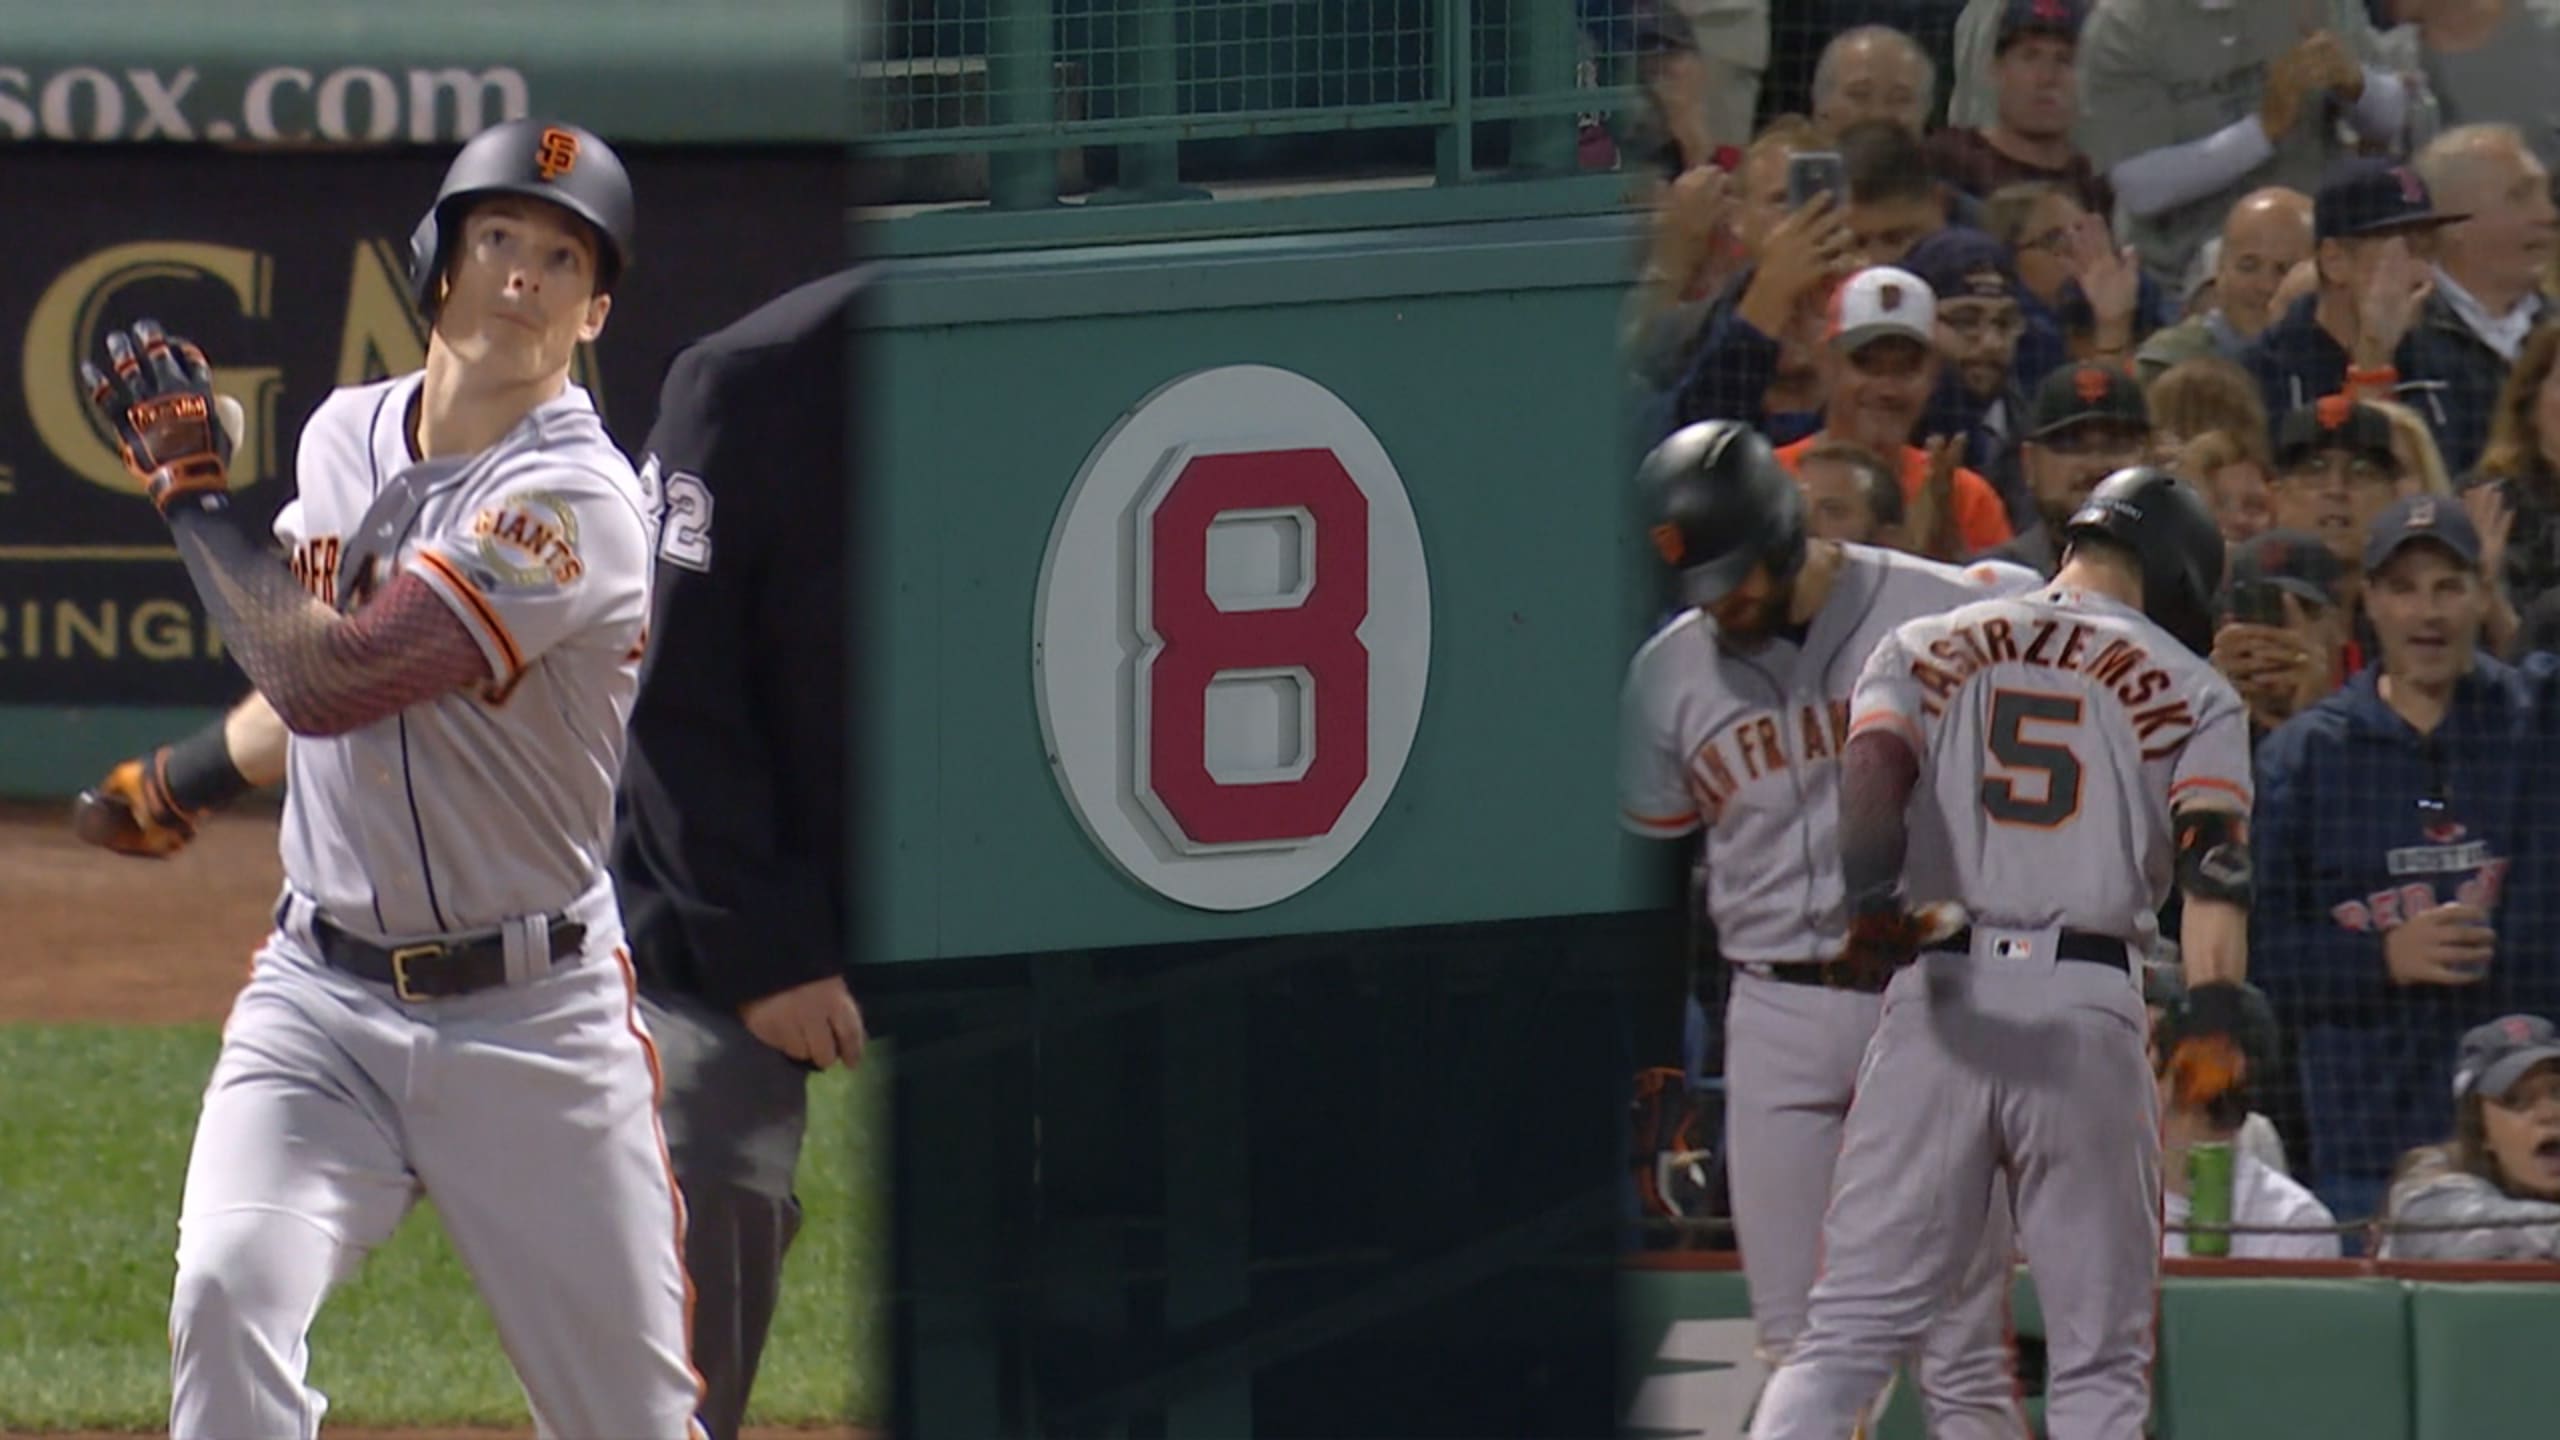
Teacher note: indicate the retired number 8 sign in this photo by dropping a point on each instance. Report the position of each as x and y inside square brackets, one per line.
[1233, 637]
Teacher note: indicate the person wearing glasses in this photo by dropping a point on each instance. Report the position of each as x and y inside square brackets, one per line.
[2389, 817]
[2494, 1188]
[1980, 321]
[2088, 421]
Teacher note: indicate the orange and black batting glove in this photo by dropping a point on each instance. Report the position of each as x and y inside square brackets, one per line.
[157, 397]
[131, 812]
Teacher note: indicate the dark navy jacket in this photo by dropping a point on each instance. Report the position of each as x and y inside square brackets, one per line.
[2448, 375]
[2359, 823]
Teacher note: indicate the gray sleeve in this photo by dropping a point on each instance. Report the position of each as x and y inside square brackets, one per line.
[1972, 102]
[2508, 1228]
[2175, 175]
[2124, 102]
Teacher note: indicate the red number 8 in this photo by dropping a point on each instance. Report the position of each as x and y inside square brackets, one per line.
[1191, 642]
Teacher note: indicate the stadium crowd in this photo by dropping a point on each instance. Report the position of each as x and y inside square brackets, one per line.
[2306, 255]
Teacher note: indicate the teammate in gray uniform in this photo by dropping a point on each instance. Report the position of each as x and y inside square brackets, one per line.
[444, 1007]
[1736, 712]
[2049, 761]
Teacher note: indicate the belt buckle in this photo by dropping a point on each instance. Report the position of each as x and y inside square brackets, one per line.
[400, 959]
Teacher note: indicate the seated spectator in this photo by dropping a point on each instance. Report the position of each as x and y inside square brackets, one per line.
[2085, 297]
[2280, 636]
[2234, 482]
[1979, 323]
[1873, 72]
[2267, 234]
[2521, 465]
[2494, 1188]
[1893, 204]
[2489, 61]
[1879, 367]
[2488, 274]
[2029, 136]
[2186, 108]
[2204, 1083]
[2088, 422]
[1850, 495]
[2387, 818]
[2351, 332]
[2204, 395]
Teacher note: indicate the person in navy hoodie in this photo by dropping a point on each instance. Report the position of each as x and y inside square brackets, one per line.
[2401, 898]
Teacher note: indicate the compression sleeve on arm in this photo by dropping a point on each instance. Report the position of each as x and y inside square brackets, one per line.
[324, 673]
[1878, 771]
[2174, 175]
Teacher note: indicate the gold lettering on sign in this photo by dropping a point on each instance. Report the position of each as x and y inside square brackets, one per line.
[69, 325]
[156, 631]
[382, 335]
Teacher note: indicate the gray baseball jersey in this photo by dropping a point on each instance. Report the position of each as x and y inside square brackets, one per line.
[472, 809]
[2055, 731]
[2155, 73]
[525, 1110]
[1746, 744]
[2052, 709]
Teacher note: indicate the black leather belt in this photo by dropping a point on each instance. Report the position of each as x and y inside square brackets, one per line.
[433, 969]
[1822, 974]
[2084, 945]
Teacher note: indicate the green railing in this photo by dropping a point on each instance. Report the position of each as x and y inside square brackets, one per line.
[1023, 82]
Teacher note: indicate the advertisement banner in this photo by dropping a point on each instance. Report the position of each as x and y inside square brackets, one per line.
[290, 271]
[382, 72]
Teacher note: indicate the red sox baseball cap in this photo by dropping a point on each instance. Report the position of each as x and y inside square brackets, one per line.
[2020, 18]
[2495, 1056]
[2367, 198]
[2433, 518]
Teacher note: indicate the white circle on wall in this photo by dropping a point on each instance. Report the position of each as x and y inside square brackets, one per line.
[1232, 637]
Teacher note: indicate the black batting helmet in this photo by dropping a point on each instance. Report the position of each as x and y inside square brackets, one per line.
[2171, 531]
[1718, 502]
[570, 167]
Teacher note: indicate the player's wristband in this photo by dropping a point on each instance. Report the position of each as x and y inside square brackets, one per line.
[200, 772]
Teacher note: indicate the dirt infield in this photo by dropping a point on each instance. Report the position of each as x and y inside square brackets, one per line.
[88, 936]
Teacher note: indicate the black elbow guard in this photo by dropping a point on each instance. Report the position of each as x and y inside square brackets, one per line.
[2213, 856]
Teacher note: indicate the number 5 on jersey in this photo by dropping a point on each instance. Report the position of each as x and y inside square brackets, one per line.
[2037, 779]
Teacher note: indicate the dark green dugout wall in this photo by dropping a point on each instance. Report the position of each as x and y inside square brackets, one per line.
[1343, 1165]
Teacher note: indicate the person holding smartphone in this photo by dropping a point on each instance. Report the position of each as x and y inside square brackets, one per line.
[2283, 633]
[2391, 818]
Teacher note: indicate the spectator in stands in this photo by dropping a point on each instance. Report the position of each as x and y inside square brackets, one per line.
[1979, 325]
[1874, 72]
[2267, 234]
[1726, 43]
[2029, 137]
[2488, 275]
[1850, 495]
[2281, 631]
[2498, 1178]
[2387, 818]
[1666, 311]
[1893, 202]
[2233, 478]
[1763, 334]
[2198, 397]
[2199, 1106]
[2489, 61]
[2521, 466]
[2088, 421]
[2186, 107]
[2414, 450]
[1879, 367]
[2351, 332]
[2085, 297]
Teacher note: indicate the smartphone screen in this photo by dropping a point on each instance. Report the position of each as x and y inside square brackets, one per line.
[1811, 172]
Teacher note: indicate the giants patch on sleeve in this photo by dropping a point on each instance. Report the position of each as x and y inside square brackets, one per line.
[526, 540]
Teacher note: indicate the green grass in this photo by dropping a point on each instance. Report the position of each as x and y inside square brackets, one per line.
[94, 1128]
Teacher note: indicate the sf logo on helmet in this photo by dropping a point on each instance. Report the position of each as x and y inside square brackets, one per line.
[557, 154]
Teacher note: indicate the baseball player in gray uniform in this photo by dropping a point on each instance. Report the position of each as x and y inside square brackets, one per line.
[444, 1007]
[1736, 712]
[2024, 777]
